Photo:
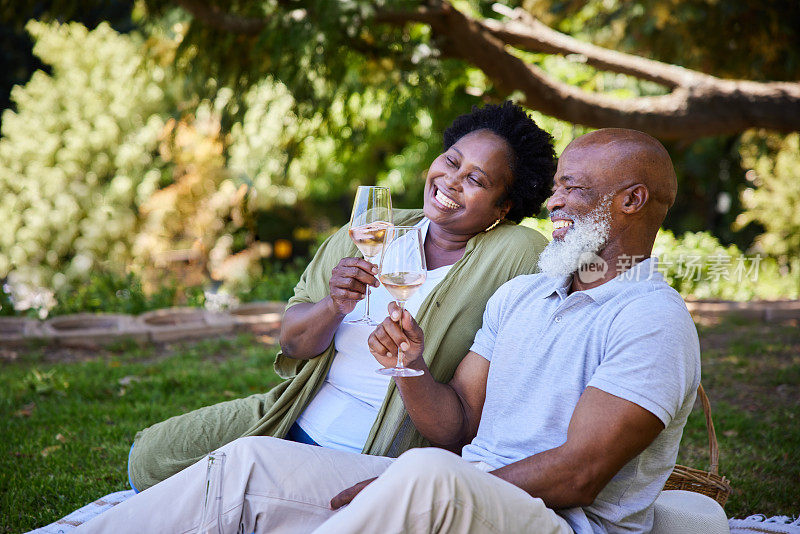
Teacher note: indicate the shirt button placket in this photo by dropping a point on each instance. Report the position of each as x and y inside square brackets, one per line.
[558, 318]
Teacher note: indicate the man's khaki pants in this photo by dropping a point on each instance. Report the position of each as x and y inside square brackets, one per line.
[273, 485]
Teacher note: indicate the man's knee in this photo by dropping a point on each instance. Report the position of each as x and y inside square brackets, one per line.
[426, 463]
[252, 446]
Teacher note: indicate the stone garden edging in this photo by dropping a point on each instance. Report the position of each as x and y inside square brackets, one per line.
[175, 324]
[15, 330]
[757, 310]
[258, 317]
[88, 330]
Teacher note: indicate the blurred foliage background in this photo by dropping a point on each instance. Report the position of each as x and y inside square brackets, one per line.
[146, 157]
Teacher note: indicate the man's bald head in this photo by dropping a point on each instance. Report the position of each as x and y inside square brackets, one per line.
[630, 157]
[611, 192]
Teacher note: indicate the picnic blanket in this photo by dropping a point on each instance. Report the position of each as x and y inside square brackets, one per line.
[753, 524]
[779, 524]
[84, 514]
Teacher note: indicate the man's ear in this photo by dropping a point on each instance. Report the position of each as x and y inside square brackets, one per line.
[634, 198]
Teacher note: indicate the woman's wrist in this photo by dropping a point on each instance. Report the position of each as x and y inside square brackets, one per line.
[332, 309]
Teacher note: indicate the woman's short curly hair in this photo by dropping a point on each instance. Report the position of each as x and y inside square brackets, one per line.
[533, 159]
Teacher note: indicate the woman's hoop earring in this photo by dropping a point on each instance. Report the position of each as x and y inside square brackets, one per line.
[492, 225]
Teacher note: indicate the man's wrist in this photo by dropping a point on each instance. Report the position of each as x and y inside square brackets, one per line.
[417, 363]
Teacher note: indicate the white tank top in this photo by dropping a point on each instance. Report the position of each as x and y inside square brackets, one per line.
[343, 411]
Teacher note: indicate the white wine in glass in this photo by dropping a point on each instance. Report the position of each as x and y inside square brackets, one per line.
[371, 217]
[369, 238]
[402, 285]
[403, 272]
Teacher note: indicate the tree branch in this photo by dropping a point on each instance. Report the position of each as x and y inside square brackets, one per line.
[526, 32]
[699, 104]
[424, 15]
[221, 20]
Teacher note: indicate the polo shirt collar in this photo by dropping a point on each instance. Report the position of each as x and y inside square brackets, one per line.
[560, 285]
[644, 270]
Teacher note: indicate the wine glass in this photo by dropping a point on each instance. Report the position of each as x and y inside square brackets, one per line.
[403, 271]
[372, 215]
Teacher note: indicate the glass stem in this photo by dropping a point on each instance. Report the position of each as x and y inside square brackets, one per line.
[400, 364]
[366, 312]
[366, 304]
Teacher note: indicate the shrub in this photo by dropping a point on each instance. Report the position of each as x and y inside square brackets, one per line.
[77, 157]
[110, 292]
[204, 215]
[6, 304]
[774, 162]
[277, 282]
[698, 266]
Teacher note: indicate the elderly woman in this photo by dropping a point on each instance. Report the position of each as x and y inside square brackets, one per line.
[496, 169]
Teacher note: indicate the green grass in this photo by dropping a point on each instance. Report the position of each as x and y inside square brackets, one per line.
[67, 427]
[68, 417]
[751, 372]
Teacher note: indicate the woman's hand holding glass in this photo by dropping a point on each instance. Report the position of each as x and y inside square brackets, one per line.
[391, 335]
[371, 217]
[349, 281]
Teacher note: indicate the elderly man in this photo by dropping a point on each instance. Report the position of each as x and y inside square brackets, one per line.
[569, 406]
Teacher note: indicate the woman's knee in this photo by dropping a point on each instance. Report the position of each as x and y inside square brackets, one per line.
[143, 469]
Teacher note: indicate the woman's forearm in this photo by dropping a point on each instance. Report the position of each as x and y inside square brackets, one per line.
[308, 329]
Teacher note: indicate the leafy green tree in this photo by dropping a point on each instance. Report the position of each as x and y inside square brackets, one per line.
[442, 57]
[308, 43]
[732, 39]
[641, 79]
[316, 97]
[749, 39]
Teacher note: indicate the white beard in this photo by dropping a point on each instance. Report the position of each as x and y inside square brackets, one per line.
[588, 235]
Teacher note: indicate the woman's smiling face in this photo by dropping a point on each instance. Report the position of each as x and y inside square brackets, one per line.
[466, 183]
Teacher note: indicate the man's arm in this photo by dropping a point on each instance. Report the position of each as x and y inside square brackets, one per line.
[446, 414]
[605, 432]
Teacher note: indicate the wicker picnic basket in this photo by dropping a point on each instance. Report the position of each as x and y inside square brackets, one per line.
[710, 482]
